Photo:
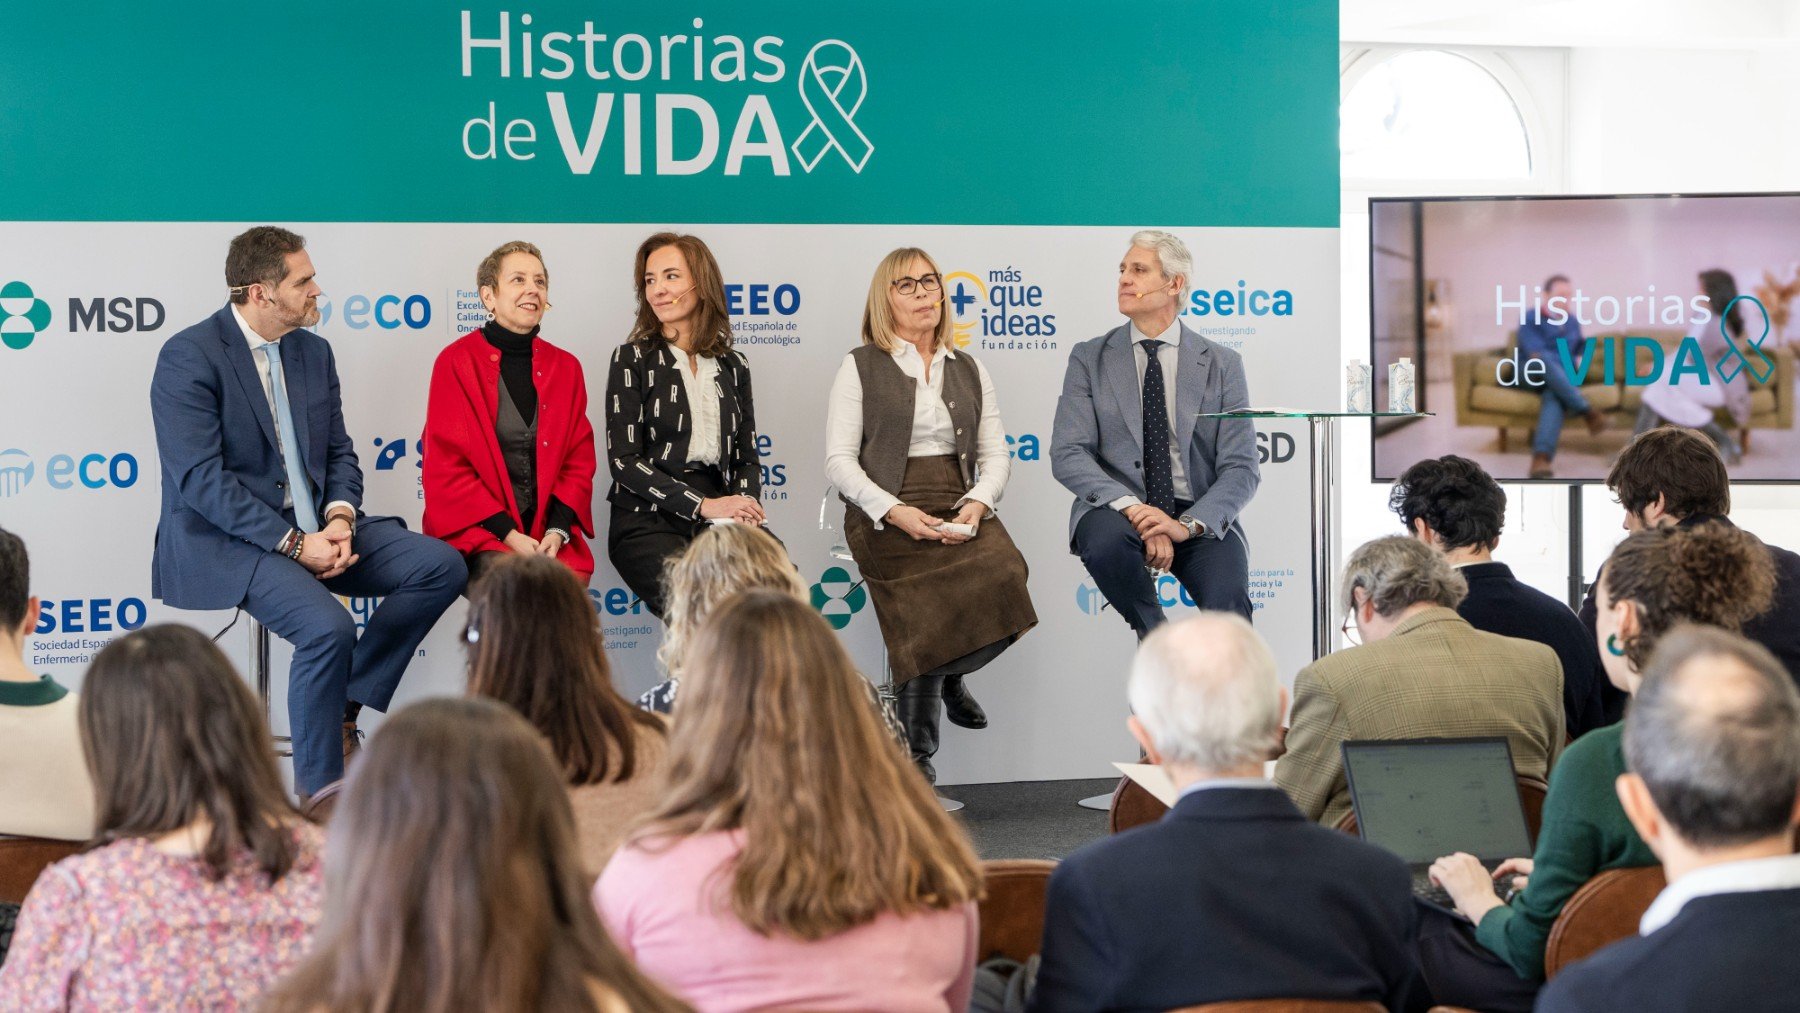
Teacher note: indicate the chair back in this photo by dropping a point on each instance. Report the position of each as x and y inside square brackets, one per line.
[1605, 910]
[1286, 1006]
[1012, 907]
[323, 803]
[1531, 798]
[1132, 806]
[23, 858]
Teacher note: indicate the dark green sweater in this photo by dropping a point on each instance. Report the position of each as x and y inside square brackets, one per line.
[1585, 832]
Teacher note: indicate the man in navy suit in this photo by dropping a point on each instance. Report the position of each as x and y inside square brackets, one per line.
[1712, 742]
[1156, 486]
[262, 503]
[1234, 894]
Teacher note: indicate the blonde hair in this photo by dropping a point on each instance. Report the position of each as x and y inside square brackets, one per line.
[775, 737]
[721, 561]
[878, 316]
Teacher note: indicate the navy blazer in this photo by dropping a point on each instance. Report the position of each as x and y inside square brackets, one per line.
[223, 480]
[1097, 439]
[1731, 951]
[1232, 895]
[1500, 603]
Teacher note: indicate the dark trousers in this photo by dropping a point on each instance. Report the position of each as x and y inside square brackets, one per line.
[1462, 972]
[416, 577]
[1215, 571]
[639, 544]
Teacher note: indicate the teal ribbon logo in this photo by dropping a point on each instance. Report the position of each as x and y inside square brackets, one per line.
[1734, 358]
[832, 87]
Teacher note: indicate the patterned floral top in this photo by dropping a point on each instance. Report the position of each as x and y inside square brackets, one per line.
[127, 927]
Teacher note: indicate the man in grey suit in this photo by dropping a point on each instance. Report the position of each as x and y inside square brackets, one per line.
[1156, 486]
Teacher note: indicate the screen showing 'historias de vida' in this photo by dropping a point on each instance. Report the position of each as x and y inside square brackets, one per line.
[1545, 332]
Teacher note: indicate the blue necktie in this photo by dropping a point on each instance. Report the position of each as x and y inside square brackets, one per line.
[306, 516]
[1159, 473]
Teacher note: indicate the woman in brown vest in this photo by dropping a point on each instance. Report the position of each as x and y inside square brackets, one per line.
[916, 450]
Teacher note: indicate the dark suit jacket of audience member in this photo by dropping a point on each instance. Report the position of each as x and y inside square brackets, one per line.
[1722, 952]
[1500, 603]
[1777, 629]
[1232, 895]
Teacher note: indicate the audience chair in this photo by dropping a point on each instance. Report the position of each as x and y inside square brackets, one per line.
[22, 858]
[1286, 1006]
[1605, 910]
[1531, 799]
[1012, 907]
[1132, 806]
[320, 806]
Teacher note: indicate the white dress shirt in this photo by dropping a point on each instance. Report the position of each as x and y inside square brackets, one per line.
[1754, 875]
[1208, 783]
[257, 342]
[932, 433]
[1169, 357]
[702, 392]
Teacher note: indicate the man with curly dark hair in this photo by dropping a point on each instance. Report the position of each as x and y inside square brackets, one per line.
[1452, 505]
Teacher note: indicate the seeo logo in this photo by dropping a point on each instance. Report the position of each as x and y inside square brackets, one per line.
[23, 316]
[1243, 301]
[838, 598]
[774, 473]
[387, 312]
[998, 310]
[90, 615]
[763, 313]
[16, 469]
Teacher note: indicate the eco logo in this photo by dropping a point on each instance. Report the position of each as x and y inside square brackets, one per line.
[837, 597]
[16, 469]
[22, 315]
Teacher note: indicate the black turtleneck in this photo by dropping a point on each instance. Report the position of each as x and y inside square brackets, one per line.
[515, 372]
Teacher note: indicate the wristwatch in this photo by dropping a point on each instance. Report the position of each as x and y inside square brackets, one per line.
[1194, 528]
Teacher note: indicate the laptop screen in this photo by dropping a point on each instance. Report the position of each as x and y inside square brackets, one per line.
[1424, 800]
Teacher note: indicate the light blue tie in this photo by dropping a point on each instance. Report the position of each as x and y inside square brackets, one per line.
[306, 516]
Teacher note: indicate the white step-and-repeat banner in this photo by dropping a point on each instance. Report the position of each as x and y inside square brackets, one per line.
[1024, 181]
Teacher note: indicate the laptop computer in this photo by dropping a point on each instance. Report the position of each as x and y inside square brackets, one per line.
[1423, 799]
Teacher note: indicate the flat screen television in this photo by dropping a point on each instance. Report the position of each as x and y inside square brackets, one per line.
[1545, 331]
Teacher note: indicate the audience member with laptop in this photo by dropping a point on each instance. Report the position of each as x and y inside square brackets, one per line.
[1710, 573]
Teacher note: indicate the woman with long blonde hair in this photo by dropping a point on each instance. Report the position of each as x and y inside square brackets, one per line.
[795, 860]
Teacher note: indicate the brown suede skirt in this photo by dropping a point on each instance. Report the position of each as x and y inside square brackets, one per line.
[935, 602]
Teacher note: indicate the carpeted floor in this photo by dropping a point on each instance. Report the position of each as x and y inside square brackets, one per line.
[1030, 819]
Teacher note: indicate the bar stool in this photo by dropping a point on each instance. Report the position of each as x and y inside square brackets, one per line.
[259, 670]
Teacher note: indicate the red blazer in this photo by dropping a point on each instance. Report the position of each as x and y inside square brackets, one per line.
[465, 477]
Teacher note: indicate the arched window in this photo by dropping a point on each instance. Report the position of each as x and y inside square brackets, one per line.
[1432, 115]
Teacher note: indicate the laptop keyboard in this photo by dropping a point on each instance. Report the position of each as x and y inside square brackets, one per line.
[1424, 889]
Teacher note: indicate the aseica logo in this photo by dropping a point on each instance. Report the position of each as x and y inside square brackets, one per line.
[837, 597]
[23, 316]
[16, 469]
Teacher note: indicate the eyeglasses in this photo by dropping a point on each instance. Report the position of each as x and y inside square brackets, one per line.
[1349, 628]
[930, 283]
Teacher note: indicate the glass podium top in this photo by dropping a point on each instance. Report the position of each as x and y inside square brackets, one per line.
[1302, 413]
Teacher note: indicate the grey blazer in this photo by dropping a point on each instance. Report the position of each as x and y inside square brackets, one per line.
[1096, 447]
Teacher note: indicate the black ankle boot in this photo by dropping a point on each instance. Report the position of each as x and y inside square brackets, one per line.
[917, 703]
[960, 706]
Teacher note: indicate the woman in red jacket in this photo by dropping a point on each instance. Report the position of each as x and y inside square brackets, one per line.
[509, 452]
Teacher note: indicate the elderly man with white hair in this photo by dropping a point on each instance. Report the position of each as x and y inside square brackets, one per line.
[1156, 486]
[1234, 895]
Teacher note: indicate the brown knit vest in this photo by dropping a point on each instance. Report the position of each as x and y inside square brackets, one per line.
[887, 408]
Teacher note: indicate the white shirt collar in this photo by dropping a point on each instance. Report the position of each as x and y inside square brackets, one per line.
[1209, 783]
[1170, 335]
[1754, 875]
[902, 346]
[256, 340]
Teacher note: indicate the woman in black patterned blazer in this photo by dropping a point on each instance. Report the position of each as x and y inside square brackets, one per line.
[680, 423]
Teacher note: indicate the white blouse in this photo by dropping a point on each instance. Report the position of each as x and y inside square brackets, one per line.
[932, 433]
[703, 406]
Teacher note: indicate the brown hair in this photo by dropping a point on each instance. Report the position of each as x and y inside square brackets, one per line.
[775, 737]
[1711, 573]
[171, 735]
[258, 256]
[712, 325]
[452, 879]
[533, 643]
[718, 563]
[487, 273]
[878, 316]
[1678, 464]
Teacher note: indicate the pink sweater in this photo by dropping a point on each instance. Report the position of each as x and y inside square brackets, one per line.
[660, 909]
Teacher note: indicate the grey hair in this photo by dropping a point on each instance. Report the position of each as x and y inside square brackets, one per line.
[1205, 689]
[1718, 745]
[1171, 254]
[1397, 572]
